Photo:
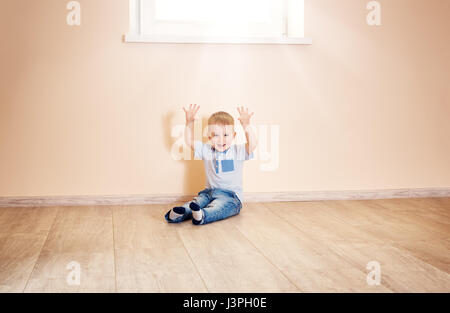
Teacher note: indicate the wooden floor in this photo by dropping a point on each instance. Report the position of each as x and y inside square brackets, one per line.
[270, 247]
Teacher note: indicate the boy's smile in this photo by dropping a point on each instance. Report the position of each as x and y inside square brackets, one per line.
[221, 136]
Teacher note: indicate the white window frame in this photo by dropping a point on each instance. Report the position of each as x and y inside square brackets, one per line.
[139, 21]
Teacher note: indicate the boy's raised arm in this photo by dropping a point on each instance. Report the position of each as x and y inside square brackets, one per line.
[244, 118]
[190, 111]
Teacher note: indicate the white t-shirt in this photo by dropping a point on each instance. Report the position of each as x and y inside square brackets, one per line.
[227, 171]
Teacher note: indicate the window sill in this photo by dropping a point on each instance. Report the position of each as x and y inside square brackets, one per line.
[216, 40]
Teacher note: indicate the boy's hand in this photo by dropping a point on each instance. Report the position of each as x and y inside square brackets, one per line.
[244, 116]
[190, 112]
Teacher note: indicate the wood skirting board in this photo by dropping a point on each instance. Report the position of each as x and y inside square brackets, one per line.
[248, 197]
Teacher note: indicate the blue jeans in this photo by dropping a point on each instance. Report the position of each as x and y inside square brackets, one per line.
[216, 204]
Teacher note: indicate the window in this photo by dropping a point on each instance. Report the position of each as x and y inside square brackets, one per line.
[217, 21]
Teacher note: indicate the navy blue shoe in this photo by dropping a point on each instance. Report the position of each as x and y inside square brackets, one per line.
[194, 206]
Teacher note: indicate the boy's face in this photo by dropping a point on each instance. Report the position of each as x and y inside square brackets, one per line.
[221, 136]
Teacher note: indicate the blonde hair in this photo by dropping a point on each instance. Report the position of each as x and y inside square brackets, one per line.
[221, 118]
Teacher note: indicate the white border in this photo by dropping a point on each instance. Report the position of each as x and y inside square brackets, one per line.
[217, 40]
[11, 202]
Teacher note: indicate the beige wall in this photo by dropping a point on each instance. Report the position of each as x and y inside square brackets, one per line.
[82, 113]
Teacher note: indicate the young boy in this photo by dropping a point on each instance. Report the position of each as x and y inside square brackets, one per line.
[223, 162]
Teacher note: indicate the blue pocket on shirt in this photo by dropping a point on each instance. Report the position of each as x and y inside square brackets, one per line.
[227, 165]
